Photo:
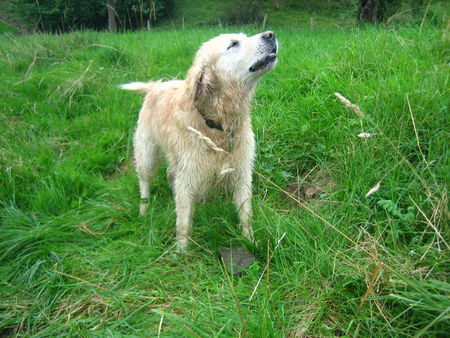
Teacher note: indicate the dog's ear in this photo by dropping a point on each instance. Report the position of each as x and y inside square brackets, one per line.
[201, 84]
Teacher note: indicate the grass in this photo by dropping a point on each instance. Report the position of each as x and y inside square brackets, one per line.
[76, 259]
[5, 28]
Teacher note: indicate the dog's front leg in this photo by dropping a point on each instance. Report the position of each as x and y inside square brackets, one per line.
[185, 205]
[243, 201]
[244, 155]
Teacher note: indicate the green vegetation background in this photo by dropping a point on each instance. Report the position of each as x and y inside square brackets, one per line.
[76, 259]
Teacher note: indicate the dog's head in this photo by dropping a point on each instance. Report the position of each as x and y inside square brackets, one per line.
[240, 57]
[232, 60]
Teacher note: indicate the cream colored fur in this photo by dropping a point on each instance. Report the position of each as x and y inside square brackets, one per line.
[219, 86]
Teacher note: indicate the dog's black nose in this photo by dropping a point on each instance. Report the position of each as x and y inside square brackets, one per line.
[269, 35]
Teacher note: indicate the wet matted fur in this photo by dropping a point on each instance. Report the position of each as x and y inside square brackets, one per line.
[202, 126]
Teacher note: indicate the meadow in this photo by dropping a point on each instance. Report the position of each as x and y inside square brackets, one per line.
[78, 260]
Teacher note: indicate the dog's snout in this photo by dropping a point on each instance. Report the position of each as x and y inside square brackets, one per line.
[269, 35]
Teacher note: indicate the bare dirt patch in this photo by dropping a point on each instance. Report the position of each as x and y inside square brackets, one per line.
[21, 28]
[311, 186]
[122, 168]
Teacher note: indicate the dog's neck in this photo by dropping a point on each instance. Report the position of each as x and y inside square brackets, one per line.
[227, 107]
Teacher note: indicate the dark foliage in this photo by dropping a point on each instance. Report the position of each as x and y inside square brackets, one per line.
[376, 10]
[242, 12]
[67, 15]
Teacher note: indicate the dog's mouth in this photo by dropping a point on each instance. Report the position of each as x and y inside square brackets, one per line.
[264, 62]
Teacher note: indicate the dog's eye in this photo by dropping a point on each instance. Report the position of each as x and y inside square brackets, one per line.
[233, 44]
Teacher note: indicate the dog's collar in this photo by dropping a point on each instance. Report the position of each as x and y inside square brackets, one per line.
[213, 124]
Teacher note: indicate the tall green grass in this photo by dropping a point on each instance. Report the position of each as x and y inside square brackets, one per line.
[76, 259]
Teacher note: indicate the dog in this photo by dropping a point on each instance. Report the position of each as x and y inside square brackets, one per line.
[202, 126]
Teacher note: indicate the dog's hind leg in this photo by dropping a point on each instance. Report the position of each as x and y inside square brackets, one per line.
[148, 157]
[171, 179]
[185, 199]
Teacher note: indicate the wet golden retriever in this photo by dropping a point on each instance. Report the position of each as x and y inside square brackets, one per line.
[203, 126]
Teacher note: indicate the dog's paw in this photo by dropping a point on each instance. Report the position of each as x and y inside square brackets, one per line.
[182, 246]
[253, 241]
[143, 208]
[248, 234]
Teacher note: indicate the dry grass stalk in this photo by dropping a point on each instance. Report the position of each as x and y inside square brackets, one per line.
[415, 130]
[374, 189]
[236, 300]
[365, 135]
[160, 325]
[125, 294]
[201, 247]
[213, 146]
[81, 280]
[350, 105]
[84, 228]
[431, 224]
[358, 111]
[208, 141]
[370, 285]
[326, 222]
[308, 316]
[31, 65]
[103, 46]
[268, 261]
[424, 16]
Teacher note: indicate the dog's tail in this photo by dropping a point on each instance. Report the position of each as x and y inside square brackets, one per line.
[141, 87]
